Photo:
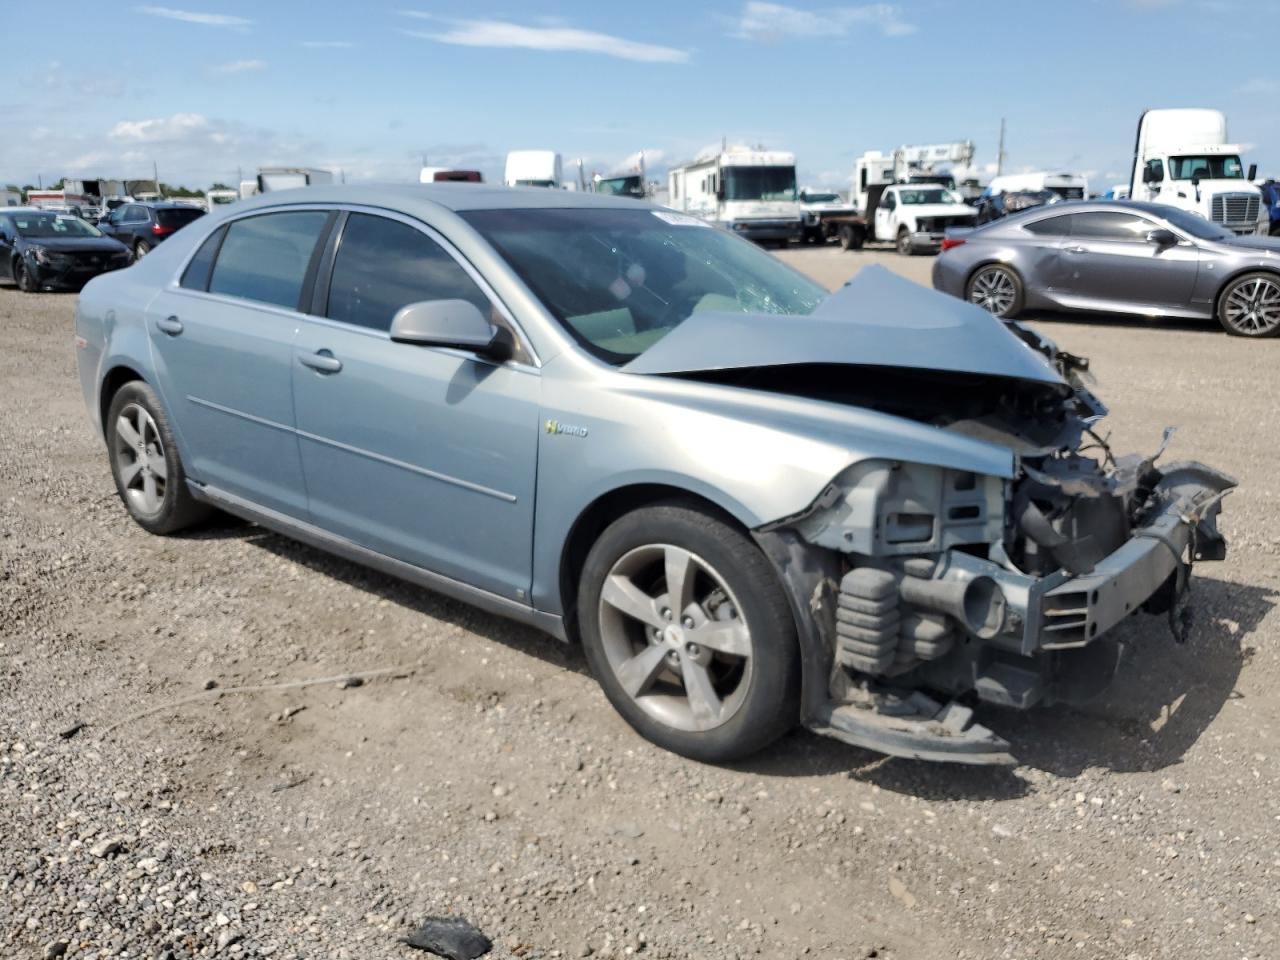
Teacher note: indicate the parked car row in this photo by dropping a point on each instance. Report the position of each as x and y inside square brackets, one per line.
[58, 250]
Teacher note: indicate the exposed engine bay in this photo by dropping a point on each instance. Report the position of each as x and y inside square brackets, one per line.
[939, 589]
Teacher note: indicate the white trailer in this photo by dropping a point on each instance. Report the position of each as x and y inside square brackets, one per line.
[1068, 186]
[534, 168]
[1182, 158]
[10, 198]
[220, 198]
[283, 178]
[448, 175]
[751, 192]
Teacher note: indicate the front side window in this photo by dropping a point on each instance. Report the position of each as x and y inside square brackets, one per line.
[1225, 167]
[1110, 225]
[620, 280]
[759, 183]
[264, 258]
[383, 265]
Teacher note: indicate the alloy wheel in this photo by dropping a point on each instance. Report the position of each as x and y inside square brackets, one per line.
[674, 637]
[993, 289]
[1253, 307]
[139, 460]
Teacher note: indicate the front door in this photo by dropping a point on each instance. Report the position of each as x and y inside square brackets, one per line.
[424, 454]
[223, 348]
[1109, 261]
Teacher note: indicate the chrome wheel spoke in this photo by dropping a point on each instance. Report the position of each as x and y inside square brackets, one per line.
[637, 674]
[680, 577]
[126, 431]
[150, 493]
[129, 473]
[156, 462]
[704, 702]
[621, 593]
[724, 636]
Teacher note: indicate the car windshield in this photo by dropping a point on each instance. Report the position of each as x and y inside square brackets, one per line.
[1206, 168]
[759, 183]
[821, 197]
[621, 186]
[621, 280]
[36, 226]
[928, 195]
[1198, 227]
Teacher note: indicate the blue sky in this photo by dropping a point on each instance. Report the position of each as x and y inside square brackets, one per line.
[208, 86]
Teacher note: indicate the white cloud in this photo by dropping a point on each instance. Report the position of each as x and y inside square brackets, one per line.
[327, 44]
[179, 127]
[240, 66]
[190, 16]
[773, 21]
[1259, 86]
[498, 33]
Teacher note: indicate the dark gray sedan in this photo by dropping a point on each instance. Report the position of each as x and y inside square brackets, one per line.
[1126, 257]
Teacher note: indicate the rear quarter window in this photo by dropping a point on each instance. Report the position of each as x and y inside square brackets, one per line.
[1050, 226]
[177, 218]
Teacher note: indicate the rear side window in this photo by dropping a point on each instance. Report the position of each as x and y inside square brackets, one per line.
[265, 258]
[383, 265]
[196, 276]
[1110, 225]
[134, 212]
[177, 218]
[1050, 226]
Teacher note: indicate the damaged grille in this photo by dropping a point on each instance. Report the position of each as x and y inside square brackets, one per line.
[1235, 210]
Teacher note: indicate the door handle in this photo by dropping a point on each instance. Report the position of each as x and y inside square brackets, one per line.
[322, 361]
[1075, 249]
[170, 325]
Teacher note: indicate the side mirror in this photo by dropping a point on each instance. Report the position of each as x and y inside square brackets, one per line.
[1195, 179]
[444, 323]
[1162, 238]
[1253, 172]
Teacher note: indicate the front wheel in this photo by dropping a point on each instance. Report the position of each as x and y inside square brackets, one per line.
[1250, 305]
[904, 243]
[997, 289]
[148, 472]
[689, 633]
[22, 277]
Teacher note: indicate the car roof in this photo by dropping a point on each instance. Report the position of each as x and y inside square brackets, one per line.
[457, 197]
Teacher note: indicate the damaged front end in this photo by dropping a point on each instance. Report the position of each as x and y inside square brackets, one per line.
[921, 591]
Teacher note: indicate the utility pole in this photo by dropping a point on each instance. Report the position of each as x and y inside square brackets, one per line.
[1000, 154]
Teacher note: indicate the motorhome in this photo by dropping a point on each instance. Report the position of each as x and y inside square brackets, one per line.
[749, 191]
[448, 175]
[283, 178]
[534, 168]
[1182, 158]
[1068, 186]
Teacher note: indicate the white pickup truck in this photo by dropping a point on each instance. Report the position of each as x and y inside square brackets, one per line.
[915, 216]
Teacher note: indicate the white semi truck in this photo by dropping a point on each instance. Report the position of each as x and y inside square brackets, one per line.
[1182, 158]
[534, 168]
[749, 191]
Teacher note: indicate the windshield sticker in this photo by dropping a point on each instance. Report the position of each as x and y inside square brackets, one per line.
[679, 219]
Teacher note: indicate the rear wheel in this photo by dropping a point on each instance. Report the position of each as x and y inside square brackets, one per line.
[145, 463]
[141, 249]
[904, 243]
[997, 289]
[689, 633]
[1250, 305]
[851, 238]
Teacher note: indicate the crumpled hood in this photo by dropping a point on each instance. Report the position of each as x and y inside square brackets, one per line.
[878, 319]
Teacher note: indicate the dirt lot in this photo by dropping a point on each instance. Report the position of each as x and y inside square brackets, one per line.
[486, 776]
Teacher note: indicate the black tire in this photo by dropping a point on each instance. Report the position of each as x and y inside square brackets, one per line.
[22, 277]
[1019, 293]
[769, 695]
[1260, 325]
[851, 238]
[904, 243]
[177, 509]
[141, 249]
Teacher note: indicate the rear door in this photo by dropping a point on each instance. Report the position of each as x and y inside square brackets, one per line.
[1111, 263]
[424, 454]
[223, 347]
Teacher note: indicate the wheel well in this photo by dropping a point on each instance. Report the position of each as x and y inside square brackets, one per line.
[602, 512]
[1217, 297]
[116, 378]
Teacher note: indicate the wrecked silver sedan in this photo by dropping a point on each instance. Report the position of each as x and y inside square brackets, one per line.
[754, 504]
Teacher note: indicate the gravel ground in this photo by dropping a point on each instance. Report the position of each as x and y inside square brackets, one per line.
[483, 775]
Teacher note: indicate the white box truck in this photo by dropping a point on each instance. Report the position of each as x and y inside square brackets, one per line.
[751, 192]
[534, 168]
[1182, 158]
